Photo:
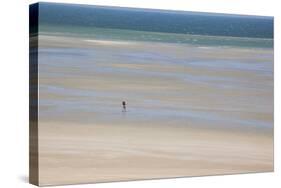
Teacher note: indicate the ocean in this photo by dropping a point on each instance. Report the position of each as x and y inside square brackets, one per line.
[114, 23]
[168, 66]
[163, 21]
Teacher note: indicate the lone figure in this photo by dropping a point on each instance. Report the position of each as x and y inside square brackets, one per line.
[124, 106]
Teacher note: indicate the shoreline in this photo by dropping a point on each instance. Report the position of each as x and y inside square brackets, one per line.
[88, 39]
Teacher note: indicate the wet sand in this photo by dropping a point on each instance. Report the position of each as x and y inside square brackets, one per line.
[192, 110]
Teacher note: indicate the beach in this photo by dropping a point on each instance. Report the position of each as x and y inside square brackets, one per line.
[192, 110]
[100, 153]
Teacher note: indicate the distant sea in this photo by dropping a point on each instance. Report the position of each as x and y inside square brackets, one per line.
[113, 23]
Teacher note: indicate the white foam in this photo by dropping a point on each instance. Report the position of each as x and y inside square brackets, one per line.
[109, 42]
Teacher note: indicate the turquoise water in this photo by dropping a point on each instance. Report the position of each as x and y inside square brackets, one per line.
[130, 24]
[151, 20]
[132, 35]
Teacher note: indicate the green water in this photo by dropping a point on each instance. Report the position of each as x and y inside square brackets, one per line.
[132, 35]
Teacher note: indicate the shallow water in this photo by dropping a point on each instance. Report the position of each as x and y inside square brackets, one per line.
[161, 82]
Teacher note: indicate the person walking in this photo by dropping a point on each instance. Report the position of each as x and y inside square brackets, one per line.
[124, 106]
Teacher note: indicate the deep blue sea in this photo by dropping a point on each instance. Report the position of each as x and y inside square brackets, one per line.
[157, 20]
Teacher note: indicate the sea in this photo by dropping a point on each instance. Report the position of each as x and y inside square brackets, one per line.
[171, 67]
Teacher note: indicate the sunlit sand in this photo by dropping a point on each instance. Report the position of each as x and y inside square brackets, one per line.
[191, 111]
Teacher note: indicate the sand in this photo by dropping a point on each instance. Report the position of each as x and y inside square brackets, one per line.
[99, 153]
[192, 110]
